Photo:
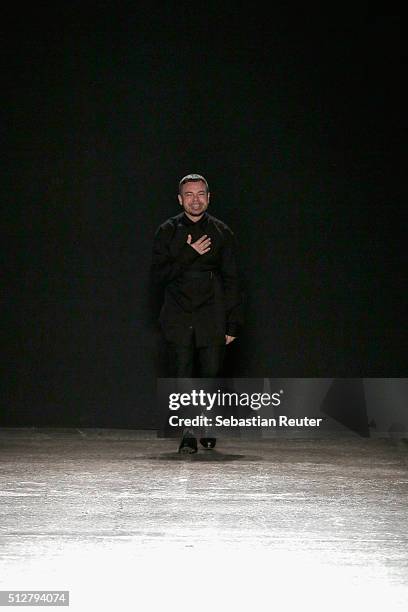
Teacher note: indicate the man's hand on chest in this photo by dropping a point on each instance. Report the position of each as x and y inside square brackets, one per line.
[202, 245]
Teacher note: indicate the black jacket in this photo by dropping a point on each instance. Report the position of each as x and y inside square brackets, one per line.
[201, 291]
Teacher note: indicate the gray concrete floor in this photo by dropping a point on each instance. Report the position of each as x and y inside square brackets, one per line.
[123, 522]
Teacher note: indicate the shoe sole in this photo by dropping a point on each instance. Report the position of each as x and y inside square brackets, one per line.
[187, 450]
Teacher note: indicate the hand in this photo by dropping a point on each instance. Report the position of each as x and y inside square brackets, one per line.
[202, 245]
[229, 339]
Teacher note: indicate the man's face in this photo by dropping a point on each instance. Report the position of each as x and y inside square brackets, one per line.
[194, 198]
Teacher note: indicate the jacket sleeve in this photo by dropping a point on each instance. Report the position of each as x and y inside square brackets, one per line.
[232, 291]
[165, 267]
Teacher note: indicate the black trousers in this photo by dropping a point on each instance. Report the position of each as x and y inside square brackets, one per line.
[192, 361]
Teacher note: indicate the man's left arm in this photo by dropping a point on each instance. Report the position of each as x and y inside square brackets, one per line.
[232, 287]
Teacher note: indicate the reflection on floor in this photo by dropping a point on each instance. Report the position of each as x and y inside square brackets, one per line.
[118, 518]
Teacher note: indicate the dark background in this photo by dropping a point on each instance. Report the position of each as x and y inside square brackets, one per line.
[298, 125]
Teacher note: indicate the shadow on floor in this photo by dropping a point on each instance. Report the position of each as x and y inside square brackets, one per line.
[207, 456]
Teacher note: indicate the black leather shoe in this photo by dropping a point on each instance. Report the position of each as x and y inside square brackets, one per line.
[208, 442]
[188, 445]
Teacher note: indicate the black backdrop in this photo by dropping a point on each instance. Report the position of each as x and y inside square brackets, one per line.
[298, 127]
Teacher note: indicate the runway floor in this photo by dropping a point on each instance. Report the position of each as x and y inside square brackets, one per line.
[123, 522]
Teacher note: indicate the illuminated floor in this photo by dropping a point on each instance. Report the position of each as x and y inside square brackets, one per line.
[124, 523]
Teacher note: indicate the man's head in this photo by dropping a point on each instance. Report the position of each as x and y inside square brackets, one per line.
[194, 195]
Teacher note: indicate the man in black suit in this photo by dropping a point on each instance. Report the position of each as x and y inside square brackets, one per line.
[194, 259]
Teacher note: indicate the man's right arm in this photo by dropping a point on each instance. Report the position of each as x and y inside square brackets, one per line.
[165, 267]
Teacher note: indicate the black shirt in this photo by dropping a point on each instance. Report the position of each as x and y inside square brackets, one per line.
[202, 292]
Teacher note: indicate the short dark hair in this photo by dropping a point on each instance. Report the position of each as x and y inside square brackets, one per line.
[194, 178]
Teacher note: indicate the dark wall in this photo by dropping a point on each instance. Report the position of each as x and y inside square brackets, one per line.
[298, 127]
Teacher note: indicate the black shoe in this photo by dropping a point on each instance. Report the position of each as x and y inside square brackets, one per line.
[208, 442]
[188, 445]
